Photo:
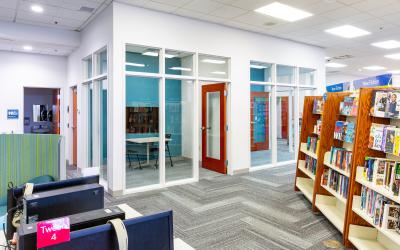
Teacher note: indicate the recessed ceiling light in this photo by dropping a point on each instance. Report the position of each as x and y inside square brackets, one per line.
[136, 64]
[150, 53]
[37, 8]
[27, 48]
[253, 66]
[347, 31]
[374, 67]
[218, 72]
[335, 65]
[283, 11]
[396, 71]
[389, 44]
[213, 61]
[393, 56]
[180, 68]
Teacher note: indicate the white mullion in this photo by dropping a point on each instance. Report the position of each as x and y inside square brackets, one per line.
[296, 114]
[274, 118]
[144, 74]
[209, 79]
[196, 120]
[161, 146]
[179, 77]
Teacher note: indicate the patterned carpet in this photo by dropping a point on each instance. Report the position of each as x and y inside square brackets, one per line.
[258, 210]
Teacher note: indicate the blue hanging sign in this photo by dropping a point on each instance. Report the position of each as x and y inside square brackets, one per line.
[339, 87]
[12, 114]
[381, 80]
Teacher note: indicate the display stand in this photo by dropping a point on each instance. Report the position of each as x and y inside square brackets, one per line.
[359, 230]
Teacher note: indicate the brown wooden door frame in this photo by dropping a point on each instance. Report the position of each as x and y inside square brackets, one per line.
[257, 146]
[207, 162]
[74, 126]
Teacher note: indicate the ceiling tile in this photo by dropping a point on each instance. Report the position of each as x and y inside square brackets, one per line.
[177, 3]
[203, 6]
[9, 4]
[228, 12]
[139, 3]
[160, 7]
[367, 5]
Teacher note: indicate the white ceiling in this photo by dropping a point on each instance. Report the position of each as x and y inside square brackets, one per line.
[380, 17]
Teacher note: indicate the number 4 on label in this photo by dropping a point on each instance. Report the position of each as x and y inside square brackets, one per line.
[54, 237]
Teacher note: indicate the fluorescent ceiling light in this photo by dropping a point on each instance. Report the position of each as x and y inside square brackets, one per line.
[389, 44]
[327, 57]
[374, 67]
[169, 56]
[283, 11]
[213, 61]
[347, 31]
[393, 56]
[396, 71]
[335, 65]
[136, 64]
[257, 66]
[150, 53]
[218, 72]
[180, 68]
[37, 8]
[27, 48]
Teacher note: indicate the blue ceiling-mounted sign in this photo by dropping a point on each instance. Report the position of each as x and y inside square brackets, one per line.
[12, 114]
[381, 80]
[339, 87]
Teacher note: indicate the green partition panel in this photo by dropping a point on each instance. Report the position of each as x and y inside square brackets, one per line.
[26, 156]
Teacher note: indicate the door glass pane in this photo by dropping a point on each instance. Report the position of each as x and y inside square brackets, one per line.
[213, 125]
[260, 99]
[142, 138]
[103, 129]
[285, 74]
[102, 62]
[88, 67]
[142, 59]
[260, 72]
[90, 124]
[285, 123]
[179, 132]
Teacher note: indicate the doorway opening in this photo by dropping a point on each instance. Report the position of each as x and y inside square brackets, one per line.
[41, 110]
[213, 127]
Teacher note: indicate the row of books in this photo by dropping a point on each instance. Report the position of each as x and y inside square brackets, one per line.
[317, 127]
[335, 181]
[349, 106]
[384, 212]
[385, 138]
[312, 144]
[311, 164]
[383, 172]
[386, 103]
[318, 106]
[341, 158]
[344, 131]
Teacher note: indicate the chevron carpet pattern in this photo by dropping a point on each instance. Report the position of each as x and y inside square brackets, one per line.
[258, 210]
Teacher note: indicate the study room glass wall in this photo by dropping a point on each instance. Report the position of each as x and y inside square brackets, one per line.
[276, 103]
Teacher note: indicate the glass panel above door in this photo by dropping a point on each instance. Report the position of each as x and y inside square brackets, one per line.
[142, 59]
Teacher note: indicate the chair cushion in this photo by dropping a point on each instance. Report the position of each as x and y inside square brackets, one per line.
[41, 179]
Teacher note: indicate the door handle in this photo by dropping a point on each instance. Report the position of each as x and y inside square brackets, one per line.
[204, 128]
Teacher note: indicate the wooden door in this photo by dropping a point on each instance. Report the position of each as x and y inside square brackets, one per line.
[75, 126]
[214, 127]
[285, 116]
[259, 106]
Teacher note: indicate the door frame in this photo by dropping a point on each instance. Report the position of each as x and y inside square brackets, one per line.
[222, 88]
[260, 146]
[74, 122]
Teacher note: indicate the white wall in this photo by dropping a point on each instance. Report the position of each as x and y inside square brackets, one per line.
[144, 27]
[19, 70]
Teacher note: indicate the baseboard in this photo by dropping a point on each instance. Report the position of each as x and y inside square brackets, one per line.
[115, 193]
[240, 171]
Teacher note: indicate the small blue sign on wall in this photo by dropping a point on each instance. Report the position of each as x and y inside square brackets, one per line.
[12, 114]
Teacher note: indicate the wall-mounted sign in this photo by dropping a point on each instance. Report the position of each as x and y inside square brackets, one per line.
[381, 80]
[52, 232]
[12, 114]
[339, 87]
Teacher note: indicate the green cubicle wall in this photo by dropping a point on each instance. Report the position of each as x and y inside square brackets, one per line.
[25, 156]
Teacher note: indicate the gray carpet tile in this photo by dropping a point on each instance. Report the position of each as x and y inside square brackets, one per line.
[258, 210]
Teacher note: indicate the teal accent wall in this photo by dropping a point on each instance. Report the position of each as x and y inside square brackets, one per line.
[151, 63]
[257, 75]
[23, 157]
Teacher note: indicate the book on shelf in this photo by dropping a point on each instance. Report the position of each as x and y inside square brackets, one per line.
[386, 103]
[318, 106]
[310, 164]
[341, 158]
[317, 127]
[312, 144]
[344, 131]
[385, 138]
[383, 172]
[376, 136]
[349, 106]
[335, 181]
[383, 211]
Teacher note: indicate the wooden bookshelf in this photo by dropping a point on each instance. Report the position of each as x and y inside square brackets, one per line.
[359, 231]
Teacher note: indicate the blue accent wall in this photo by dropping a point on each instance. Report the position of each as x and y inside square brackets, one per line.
[257, 75]
[151, 63]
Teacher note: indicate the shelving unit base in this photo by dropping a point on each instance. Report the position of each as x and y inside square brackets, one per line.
[306, 186]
